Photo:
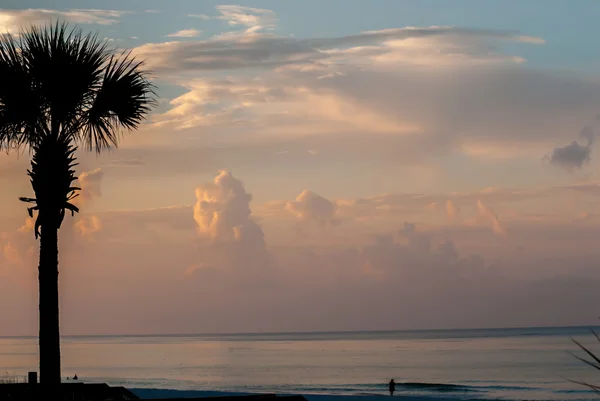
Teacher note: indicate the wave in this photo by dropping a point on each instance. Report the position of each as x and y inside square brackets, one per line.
[419, 386]
[409, 390]
[438, 387]
[370, 394]
[371, 389]
[363, 391]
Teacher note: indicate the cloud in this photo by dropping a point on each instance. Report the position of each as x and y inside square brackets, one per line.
[310, 206]
[231, 245]
[409, 204]
[253, 49]
[397, 82]
[421, 273]
[574, 155]
[90, 184]
[28, 226]
[185, 33]
[194, 268]
[222, 212]
[382, 100]
[383, 116]
[199, 16]
[18, 246]
[11, 253]
[393, 257]
[409, 229]
[13, 20]
[254, 19]
[489, 214]
[452, 210]
[233, 102]
[172, 224]
[87, 225]
[425, 91]
[125, 163]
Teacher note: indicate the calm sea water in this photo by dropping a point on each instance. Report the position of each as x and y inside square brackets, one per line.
[515, 364]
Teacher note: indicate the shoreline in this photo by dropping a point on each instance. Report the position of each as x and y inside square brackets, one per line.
[148, 393]
[405, 395]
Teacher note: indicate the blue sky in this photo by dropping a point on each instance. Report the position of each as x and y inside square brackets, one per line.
[568, 31]
[569, 28]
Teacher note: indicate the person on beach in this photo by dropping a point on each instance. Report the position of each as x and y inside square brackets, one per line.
[392, 386]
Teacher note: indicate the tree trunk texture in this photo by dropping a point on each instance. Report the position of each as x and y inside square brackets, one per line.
[49, 337]
[52, 175]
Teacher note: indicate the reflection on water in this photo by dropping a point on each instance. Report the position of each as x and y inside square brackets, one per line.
[516, 363]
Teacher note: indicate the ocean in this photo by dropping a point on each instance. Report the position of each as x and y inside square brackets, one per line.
[485, 364]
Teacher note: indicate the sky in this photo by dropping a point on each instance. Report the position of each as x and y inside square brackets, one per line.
[325, 166]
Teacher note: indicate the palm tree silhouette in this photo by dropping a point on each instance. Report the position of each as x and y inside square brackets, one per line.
[60, 89]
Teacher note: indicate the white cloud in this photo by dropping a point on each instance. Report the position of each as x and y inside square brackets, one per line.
[185, 33]
[14, 20]
[416, 114]
[19, 247]
[222, 212]
[90, 184]
[199, 16]
[430, 91]
[489, 214]
[254, 19]
[432, 46]
[87, 225]
[310, 206]
[234, 102]
[231, 243]
[443, 269]
[425, 92]
[452, 210]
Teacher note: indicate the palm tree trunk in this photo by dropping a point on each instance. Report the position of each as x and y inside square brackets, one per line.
[52, 176]
[49, 338]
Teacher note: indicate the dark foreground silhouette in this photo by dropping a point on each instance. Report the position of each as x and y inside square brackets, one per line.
[260, 397]
[59, 89]
[102, 392]
[64, 391]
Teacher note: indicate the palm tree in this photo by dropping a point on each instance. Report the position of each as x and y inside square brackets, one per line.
[594, 362]
[60, 89]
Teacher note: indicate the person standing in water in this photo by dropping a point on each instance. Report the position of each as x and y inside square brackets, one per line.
[392, 386]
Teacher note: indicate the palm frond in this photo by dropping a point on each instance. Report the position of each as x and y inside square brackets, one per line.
[592, 387]
[58, 88]
[21, 113]
[594, 362]
[122, 102]
[67, 66]
[54, 80]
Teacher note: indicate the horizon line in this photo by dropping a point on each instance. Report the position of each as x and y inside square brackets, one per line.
[224, 334]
